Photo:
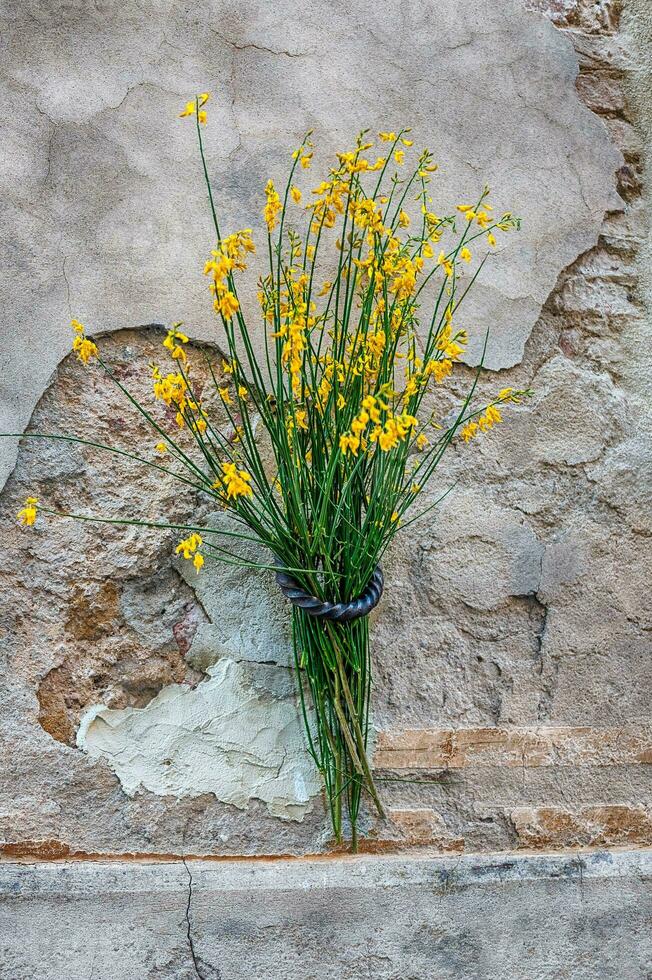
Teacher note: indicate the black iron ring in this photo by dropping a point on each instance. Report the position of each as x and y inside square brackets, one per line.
[337, 612]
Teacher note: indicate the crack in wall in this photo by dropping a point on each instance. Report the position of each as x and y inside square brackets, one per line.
[65, 279]
[258, 47]
[191, 944]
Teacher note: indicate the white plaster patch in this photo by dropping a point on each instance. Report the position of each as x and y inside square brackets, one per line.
[237, 735]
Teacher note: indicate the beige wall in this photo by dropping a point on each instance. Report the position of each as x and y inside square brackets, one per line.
[514, 633]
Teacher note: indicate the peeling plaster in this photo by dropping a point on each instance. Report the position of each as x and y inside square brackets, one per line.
[237, 735]
[105, 208]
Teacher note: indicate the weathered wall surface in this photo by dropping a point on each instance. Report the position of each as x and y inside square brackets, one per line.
[513, 646]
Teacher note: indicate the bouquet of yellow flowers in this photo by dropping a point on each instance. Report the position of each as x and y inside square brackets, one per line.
[337, 387]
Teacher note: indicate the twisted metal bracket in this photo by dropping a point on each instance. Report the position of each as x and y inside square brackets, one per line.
[340, 612]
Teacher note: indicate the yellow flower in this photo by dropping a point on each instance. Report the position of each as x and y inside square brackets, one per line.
[359, 424]
[445, 263]
[85, 349]
[325, 288]
[171, 389]
[440, 370]
[490, 238]
[225, 396]
[389, 436]
[483, 219]
[411, 388]
[465, 255]
[27, 515]
[407, 142]
[306, 160]
[236, 481]
[349, 441]
[272, 207]
[422, 442]
[189, 548]
[228, 305]
[509, 395]
[370, 404]
[161, 447]
[490, 418]
[493, 413]
[242, 391]
[376, 343]
[468, 431]
[170, 343]
[301, 417]
[394, 517]
[202, 116]
[387, 137]
[427, 251]
[191, 107]
[403, 219]
[235, 247]
[296, 195]
[82, 346]
[399, 156]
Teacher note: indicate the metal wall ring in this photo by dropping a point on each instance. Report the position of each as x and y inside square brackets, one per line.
[336, 612]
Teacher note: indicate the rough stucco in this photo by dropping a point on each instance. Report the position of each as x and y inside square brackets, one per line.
[101, 184]
[521, 604]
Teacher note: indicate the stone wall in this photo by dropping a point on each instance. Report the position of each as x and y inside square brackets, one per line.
[512, 648]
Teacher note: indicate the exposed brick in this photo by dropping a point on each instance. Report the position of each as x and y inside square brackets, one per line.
[602, 93]
[626, 139]
[425, 826]
[595, 300]
[518, 747]
[595, 826]
[596, 51]
[596, 16]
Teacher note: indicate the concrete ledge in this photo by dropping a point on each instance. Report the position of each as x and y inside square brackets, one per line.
[421, 917]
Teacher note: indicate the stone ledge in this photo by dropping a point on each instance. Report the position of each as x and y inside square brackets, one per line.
[512, 916]
[129, 873]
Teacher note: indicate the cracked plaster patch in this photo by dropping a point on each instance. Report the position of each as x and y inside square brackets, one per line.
[104, 177]
[237, 735]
